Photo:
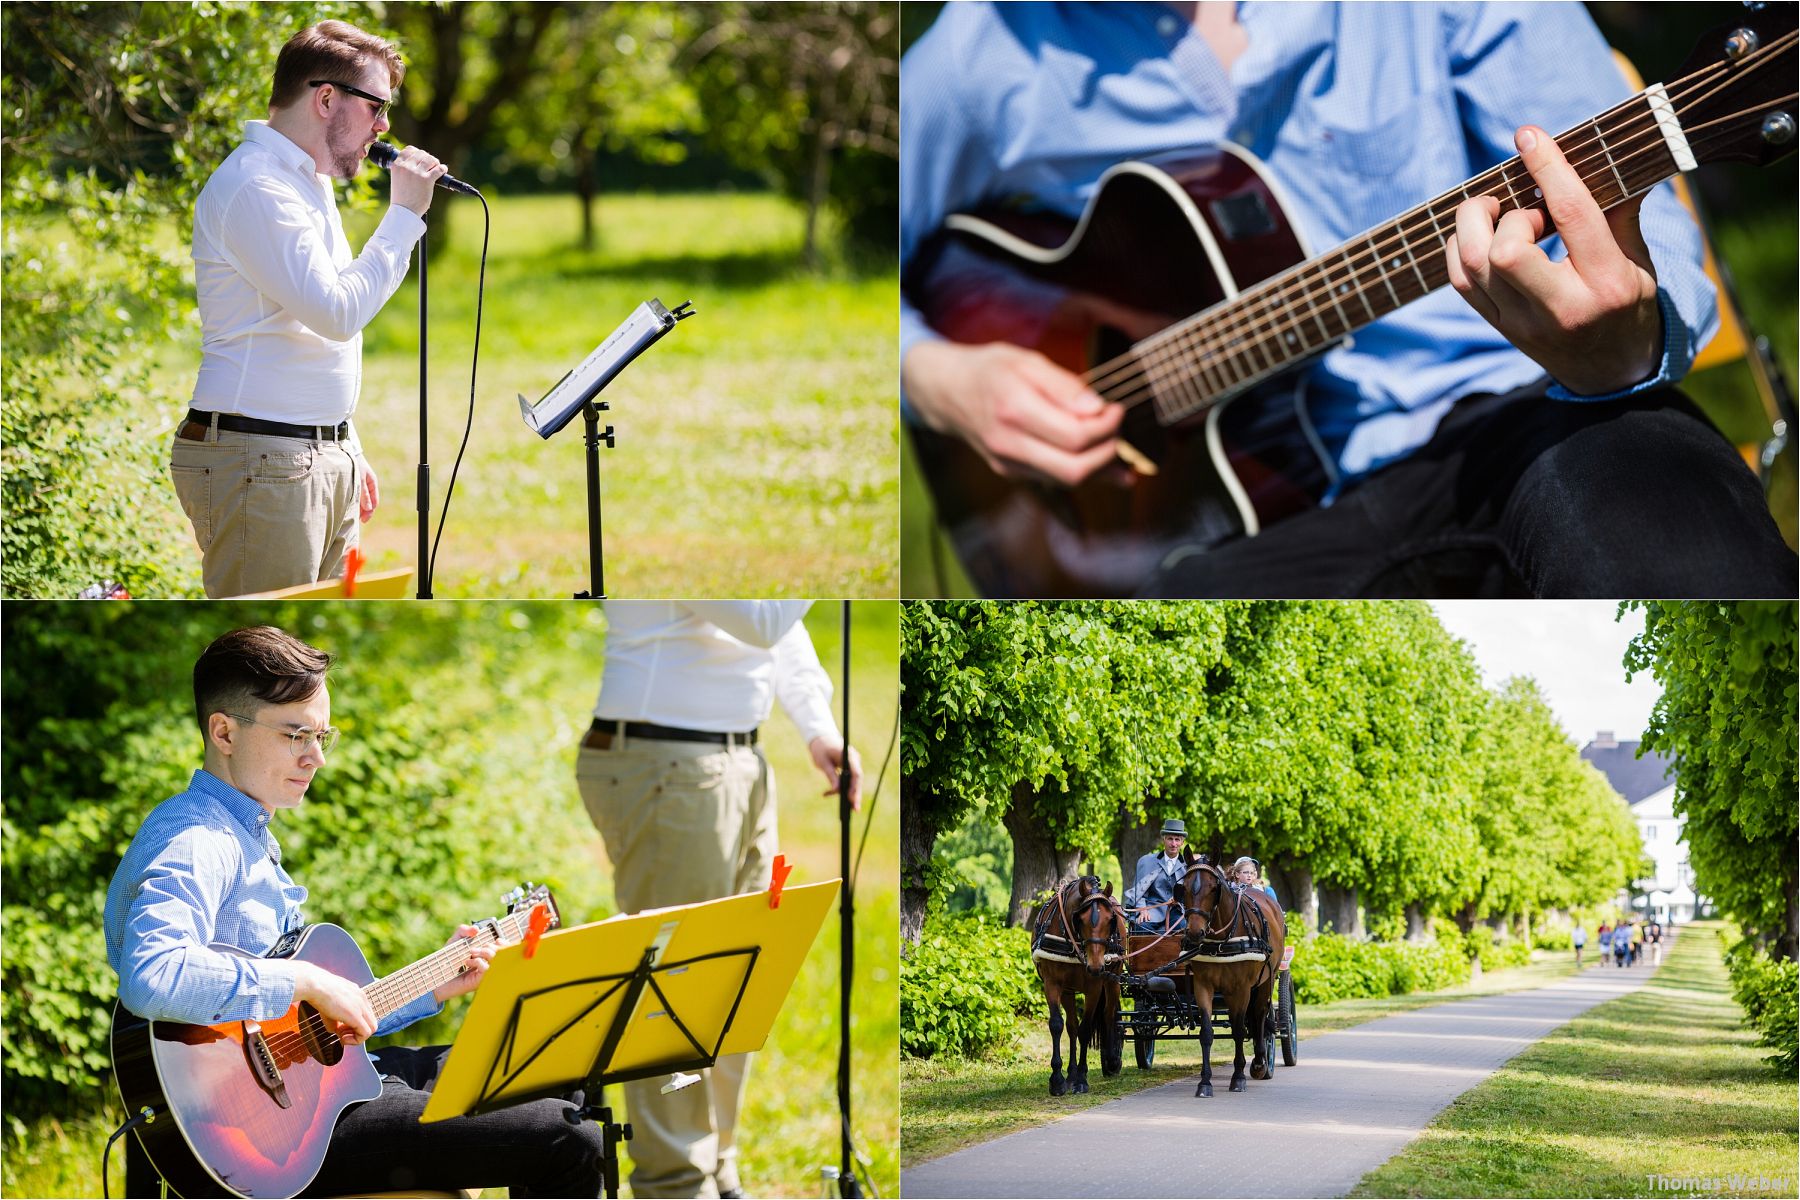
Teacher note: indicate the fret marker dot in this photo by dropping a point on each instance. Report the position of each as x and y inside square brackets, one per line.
[1538, 192]
[1395, 264]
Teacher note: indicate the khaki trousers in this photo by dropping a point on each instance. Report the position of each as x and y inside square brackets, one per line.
[268, 512]
[682, 821]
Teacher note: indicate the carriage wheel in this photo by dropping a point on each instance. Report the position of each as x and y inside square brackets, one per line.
[1290, 1033]
[1144, 1042]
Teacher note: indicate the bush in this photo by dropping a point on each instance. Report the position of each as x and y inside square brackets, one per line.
[1769, 991]
[964, 984]
[1329, 967]
[1495, 951]
[1554, 939]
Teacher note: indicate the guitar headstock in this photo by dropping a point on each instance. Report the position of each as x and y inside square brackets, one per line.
[521, 900]
[1735, 95]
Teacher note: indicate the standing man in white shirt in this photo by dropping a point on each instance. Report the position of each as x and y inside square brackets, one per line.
[685, 802]
[266, 464]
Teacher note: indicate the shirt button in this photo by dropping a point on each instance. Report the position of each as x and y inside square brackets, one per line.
[1167, 25]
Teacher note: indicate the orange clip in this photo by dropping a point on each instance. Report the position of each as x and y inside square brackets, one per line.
[777, 877]
[353, 562]
[534, 928]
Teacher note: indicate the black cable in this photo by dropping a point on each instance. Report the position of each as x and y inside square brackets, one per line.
[869, 817]
[487, 227]
[144, 1115]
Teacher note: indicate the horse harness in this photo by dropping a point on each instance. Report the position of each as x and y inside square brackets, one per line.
[1059, 948]
[1245, 939]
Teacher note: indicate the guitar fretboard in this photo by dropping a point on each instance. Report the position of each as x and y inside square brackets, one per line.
[1231, 347]
[393, 992]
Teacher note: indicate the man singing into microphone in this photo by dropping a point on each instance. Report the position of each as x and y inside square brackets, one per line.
[266, 464]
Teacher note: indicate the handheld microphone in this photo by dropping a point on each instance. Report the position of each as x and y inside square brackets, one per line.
[383, 155]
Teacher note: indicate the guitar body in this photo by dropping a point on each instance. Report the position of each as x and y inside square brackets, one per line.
[219, 1131]
[1160, 241]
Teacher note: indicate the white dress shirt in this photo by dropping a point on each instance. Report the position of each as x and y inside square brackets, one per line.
[713, 665]
[282, 301]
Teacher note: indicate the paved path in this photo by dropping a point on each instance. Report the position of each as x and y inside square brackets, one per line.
[1354, 1100]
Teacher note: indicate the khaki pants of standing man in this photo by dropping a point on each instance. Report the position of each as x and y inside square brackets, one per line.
[268, 512]
[682, 822]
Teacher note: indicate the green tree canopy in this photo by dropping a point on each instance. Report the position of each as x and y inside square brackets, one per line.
[1727, 718]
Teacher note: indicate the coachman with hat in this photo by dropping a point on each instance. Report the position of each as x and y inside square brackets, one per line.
[1157, 874]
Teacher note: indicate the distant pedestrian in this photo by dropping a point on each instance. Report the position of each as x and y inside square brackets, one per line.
[1605, 940]
[1637, 942]
[1622, 946]
[1656, 936]
[1579, 938]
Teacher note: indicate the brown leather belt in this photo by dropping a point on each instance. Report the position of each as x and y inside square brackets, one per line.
[601, 733]
[194, 428]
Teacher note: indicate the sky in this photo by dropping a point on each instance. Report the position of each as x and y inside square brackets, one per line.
[1573, 648]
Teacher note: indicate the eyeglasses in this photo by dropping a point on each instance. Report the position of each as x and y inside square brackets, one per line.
[383, 105]
[298, 739]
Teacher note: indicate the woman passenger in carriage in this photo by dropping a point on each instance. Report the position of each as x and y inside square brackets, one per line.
[1247, 872]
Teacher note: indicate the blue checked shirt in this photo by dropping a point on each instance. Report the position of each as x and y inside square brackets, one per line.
[204, 869]
[1360, 111]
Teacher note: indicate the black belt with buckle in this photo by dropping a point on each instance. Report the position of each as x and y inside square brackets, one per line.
[601, 733]
[233, 423]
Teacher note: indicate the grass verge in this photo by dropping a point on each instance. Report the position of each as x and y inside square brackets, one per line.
[1659, 1092]
[953, 1104]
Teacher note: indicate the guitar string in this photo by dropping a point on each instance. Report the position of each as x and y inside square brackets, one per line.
[1168, 343]
[1194, 358]
[1211, 341]
[388, 987]
[1186, 346]
[1165, 349]
[1138, 382]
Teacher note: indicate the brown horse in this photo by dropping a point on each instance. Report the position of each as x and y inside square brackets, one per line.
[1074, 933]
[1218, 913]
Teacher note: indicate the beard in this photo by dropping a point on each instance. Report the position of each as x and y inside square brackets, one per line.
[344, 149]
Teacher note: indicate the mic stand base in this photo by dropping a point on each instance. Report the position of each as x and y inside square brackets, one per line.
[848, 1187]
[611, 1135]
[590, 415]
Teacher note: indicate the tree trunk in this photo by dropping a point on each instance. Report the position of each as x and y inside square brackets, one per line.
[585, 190]
[1465, 920]
[1294, 885]
[1038, 863]
[1418, 925]
[818, 189]
[917, 837]
[1134, 840]
[1338, 911]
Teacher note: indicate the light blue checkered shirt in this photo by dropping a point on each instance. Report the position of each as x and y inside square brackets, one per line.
[204, 870]
[1361, 111]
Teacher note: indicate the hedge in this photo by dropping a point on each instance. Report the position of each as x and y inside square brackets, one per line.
[1769, 991]
[964, 984]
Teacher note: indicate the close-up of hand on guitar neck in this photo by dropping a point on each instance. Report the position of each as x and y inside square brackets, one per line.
[1026, 416]
[1592, 320]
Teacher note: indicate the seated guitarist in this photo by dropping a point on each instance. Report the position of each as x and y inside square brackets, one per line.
[205, 869]
[1518, 435]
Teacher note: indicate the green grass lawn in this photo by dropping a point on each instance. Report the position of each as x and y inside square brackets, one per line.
[756, 444]
[951, 1104]
[1663, 1082]
[531, 725]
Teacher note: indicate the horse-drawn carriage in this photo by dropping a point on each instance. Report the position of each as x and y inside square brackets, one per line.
[1157, 1003]
[1226, 967]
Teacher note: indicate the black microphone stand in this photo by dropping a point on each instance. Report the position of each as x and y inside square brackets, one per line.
[847, 1183]
[424, 499]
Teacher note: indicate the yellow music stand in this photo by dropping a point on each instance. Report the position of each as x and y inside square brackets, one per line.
[371, 585]
[652, 993]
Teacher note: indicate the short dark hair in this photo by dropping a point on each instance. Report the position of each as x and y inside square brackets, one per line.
[329, 50]
[248, 668]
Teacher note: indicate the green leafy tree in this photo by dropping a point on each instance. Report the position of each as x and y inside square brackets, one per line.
[1727, 719]
[809, 94]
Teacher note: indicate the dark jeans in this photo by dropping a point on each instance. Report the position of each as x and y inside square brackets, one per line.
[1521, 495]
[380, 1146]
